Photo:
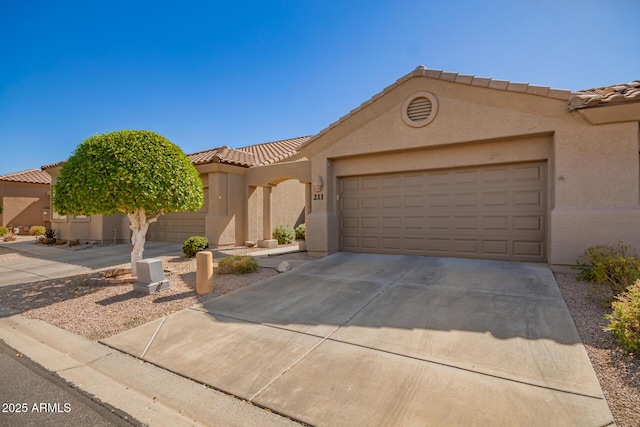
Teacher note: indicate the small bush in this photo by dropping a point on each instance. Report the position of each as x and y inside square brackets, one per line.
[301, 232]
[3, 231]
[194, 244]
[50, 233]
[624, 322]
[9, 237]
[617, 267]
[238, 264]
[284, 234]
[37, 230]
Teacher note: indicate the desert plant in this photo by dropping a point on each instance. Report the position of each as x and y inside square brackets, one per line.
[238, 264]
[301, 232]
[284, 234]
[194, 244]
[37, 230]
[624, 321]
[9, 237]
[614, 266]
[3, 231]
[50, 233]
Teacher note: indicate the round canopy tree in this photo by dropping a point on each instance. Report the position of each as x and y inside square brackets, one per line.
[133, 172]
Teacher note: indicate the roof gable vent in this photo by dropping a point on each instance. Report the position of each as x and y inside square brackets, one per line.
[419, 109]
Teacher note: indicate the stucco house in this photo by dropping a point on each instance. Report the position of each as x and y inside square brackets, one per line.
[439, 164]
[24, 199]
[242, 202]
[447, 164]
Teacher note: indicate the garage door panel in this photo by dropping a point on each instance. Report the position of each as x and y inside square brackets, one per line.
[495, 222]
[527, 173]
[494, 212]
[533, 223]
[531, 249]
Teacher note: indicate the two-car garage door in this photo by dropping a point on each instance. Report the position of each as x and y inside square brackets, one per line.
[492, 212]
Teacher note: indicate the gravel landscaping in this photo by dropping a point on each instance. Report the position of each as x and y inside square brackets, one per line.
[98, 312]
[618, 372]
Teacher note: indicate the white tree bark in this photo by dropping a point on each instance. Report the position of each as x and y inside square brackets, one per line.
[139, 224]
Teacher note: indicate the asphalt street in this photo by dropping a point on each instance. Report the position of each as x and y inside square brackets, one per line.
[33, 396]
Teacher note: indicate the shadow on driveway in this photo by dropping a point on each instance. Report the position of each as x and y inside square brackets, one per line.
[383, 339]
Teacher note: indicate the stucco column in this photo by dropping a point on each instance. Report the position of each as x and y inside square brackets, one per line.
[220, 231]
[307, 200]
[254, 222]
[267, 241]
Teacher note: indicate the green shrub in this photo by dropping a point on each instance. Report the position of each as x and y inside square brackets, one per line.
[37, 230]
[284, 234]
[624, 322]
[194, 244]
[615, 266]
[3, 231]
[301, 232]
[238, 264]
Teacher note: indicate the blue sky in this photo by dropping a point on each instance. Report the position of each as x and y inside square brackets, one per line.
[210, 73]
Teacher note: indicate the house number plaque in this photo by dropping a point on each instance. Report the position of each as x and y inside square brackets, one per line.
[318, 196]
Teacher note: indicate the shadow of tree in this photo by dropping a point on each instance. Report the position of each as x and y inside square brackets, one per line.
[25, 297]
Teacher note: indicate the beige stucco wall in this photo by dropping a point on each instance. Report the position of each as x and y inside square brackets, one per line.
[288, 201]
[594, 171]
[23, 204]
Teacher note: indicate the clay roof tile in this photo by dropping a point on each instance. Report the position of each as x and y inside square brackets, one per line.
[31, 176]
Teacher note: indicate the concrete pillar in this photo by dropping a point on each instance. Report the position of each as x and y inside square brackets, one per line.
[267, 241]
[254, 206]
[266, 213]
[204, 272]
[308, 194]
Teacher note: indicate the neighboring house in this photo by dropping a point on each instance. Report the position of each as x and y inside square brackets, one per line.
[438, 164]
[24, 198]
[240, 203]
[446, 164]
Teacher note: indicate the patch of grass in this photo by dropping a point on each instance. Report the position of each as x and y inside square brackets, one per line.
[238, 264]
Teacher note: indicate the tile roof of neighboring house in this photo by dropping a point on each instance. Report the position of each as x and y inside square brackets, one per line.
[253, 155]
[52, 165]
[31, 176]
[609, 95]
[272, 152]
[456, 78]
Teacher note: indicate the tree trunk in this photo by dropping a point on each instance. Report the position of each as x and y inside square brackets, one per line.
[139, 224]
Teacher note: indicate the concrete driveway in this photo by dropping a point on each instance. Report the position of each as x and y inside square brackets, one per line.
[359, 339]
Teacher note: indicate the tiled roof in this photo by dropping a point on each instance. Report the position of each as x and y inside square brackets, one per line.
[253, 155]
[273, 152]
[609, 95]
[31, 176]
[52, 165]
[455, 78]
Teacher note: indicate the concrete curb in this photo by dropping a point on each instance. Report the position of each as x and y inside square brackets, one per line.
[150, 394]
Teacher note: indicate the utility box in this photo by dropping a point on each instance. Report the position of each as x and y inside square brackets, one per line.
[150, 277]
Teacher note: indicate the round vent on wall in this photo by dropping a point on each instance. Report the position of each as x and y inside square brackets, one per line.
[419, 109]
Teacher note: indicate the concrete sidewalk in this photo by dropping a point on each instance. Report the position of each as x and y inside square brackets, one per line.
[360, 339]
[42, 262]
[150, 394]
